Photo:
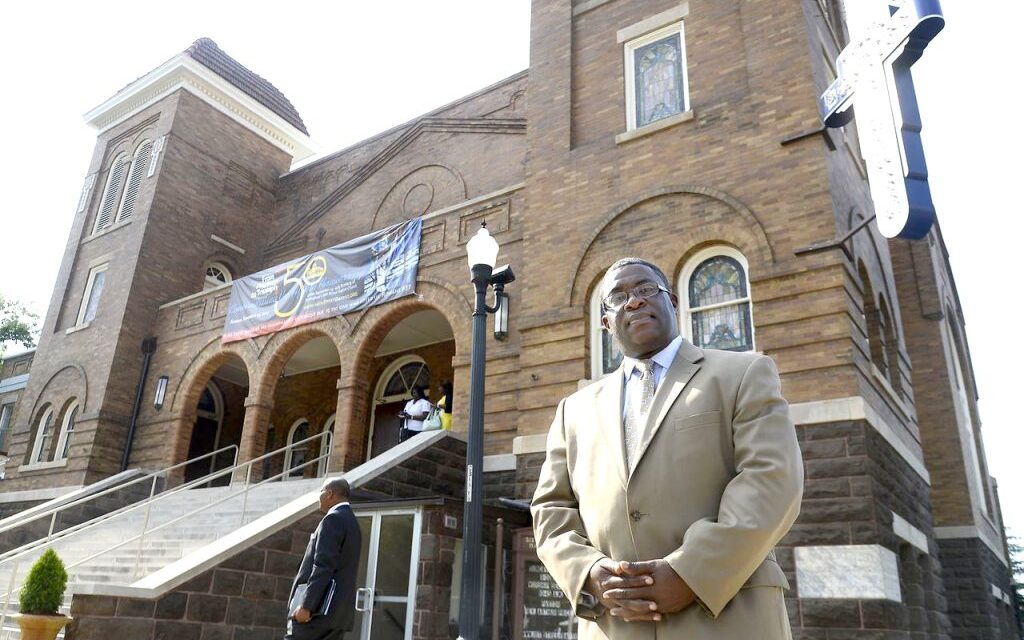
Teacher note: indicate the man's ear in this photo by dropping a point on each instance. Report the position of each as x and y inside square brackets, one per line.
[675, 300]
[604, 320]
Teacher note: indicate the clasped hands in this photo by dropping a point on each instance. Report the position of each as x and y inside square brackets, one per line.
[639, 591]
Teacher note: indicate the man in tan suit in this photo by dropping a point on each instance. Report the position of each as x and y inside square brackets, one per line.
[668, 483]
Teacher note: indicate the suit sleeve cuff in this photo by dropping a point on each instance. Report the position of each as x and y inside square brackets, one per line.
[582, 606]
[700, 592]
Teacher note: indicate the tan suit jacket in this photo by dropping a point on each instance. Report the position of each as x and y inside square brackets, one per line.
[716, 484]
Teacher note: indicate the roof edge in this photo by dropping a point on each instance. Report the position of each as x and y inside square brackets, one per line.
[184, 72]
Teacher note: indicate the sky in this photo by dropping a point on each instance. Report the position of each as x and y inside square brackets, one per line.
[353, 69]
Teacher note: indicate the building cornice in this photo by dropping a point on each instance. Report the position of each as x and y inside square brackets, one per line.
[182, 72]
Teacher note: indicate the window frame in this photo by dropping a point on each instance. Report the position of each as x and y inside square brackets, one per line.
[209, 282]
[597, 332]
[683, 290]
[87, 294]
[138, 167]
[629, 65]
[112, 193]
[37, 441]
[6, 411]
[289, 441]
[67, 428]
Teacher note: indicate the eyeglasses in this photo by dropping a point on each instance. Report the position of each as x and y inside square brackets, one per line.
[616, 299]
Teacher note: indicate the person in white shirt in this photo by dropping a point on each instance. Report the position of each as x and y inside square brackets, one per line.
[414, 413]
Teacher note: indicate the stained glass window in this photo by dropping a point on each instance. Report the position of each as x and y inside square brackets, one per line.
[719, 305]
[611, 357]
[658, 79]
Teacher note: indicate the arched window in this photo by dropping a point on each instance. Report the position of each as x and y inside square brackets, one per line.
[44, 435]
[715, 297]
[67, 428]
[216, 275]
[969, 435]
[406, 376]
[605, 356]
[131, 189]
[295, 457]
[891, 346]
[872, 322]
[111, 192]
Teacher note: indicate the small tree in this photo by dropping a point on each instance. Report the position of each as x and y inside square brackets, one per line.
[17, 324]
[43, 592]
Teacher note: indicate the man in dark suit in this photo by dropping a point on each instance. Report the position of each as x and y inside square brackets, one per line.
[328, 571]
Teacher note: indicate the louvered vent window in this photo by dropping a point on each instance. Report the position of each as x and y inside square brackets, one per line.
[138, 171]
[115, 179]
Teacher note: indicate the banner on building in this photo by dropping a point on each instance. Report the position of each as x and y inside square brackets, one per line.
[360, 273]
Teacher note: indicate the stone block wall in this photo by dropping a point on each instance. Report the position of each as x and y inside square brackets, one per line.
[437, 471]
[970, 570]
[245, 596]
[855, 481]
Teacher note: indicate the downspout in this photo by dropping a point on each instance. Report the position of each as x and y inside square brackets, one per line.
[148, 347]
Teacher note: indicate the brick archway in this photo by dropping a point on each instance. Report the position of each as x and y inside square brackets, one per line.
[355, 385]
[190, 388]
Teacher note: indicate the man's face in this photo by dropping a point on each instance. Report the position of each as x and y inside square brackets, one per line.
[642, 326]
[326, 499]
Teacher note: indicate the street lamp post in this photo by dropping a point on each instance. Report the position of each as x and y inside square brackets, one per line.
[482, 252]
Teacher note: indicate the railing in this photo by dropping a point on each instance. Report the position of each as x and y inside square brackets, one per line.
[322, 459]
[53, 512]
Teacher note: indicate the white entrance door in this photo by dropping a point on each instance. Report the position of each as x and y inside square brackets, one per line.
[386, 585]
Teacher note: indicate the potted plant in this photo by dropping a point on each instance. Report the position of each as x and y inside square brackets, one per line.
[41, 597]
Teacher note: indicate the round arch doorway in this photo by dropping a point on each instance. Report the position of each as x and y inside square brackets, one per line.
[393, 390]
[206, 433]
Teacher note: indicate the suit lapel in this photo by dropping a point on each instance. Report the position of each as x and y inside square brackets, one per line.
[609, 418]
[684, 367]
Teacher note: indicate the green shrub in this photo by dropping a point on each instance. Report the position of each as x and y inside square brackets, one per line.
[43, 592]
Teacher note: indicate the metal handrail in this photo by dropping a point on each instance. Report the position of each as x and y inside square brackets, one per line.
[51, 536]
[53, 511]
[325, 456]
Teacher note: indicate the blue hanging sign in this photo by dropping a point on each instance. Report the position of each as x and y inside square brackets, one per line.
[876, 70]
[357, 274]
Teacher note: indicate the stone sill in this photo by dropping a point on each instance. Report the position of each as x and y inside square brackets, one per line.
[43, 466]
[110, 229]
[654, 127]
[76, 328]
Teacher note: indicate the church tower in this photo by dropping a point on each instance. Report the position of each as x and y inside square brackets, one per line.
[175, 199]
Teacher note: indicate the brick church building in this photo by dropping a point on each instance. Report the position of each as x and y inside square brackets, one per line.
[685, 134]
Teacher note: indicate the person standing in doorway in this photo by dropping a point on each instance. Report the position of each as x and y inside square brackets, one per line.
[445, 405]
[323, 596]
[414, 413]
[668, 483]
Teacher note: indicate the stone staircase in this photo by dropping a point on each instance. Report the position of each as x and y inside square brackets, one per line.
[171, 533]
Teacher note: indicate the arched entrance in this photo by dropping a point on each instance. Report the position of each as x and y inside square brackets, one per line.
[394, 389]
[219, 415]
[417, 351]
[305, 400]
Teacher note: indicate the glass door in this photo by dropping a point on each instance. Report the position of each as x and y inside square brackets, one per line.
[386, 583]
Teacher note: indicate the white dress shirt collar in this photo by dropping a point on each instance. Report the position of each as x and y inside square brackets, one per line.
[663, 359]
[338, 506]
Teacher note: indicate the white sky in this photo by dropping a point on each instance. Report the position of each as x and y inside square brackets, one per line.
[353, 69]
